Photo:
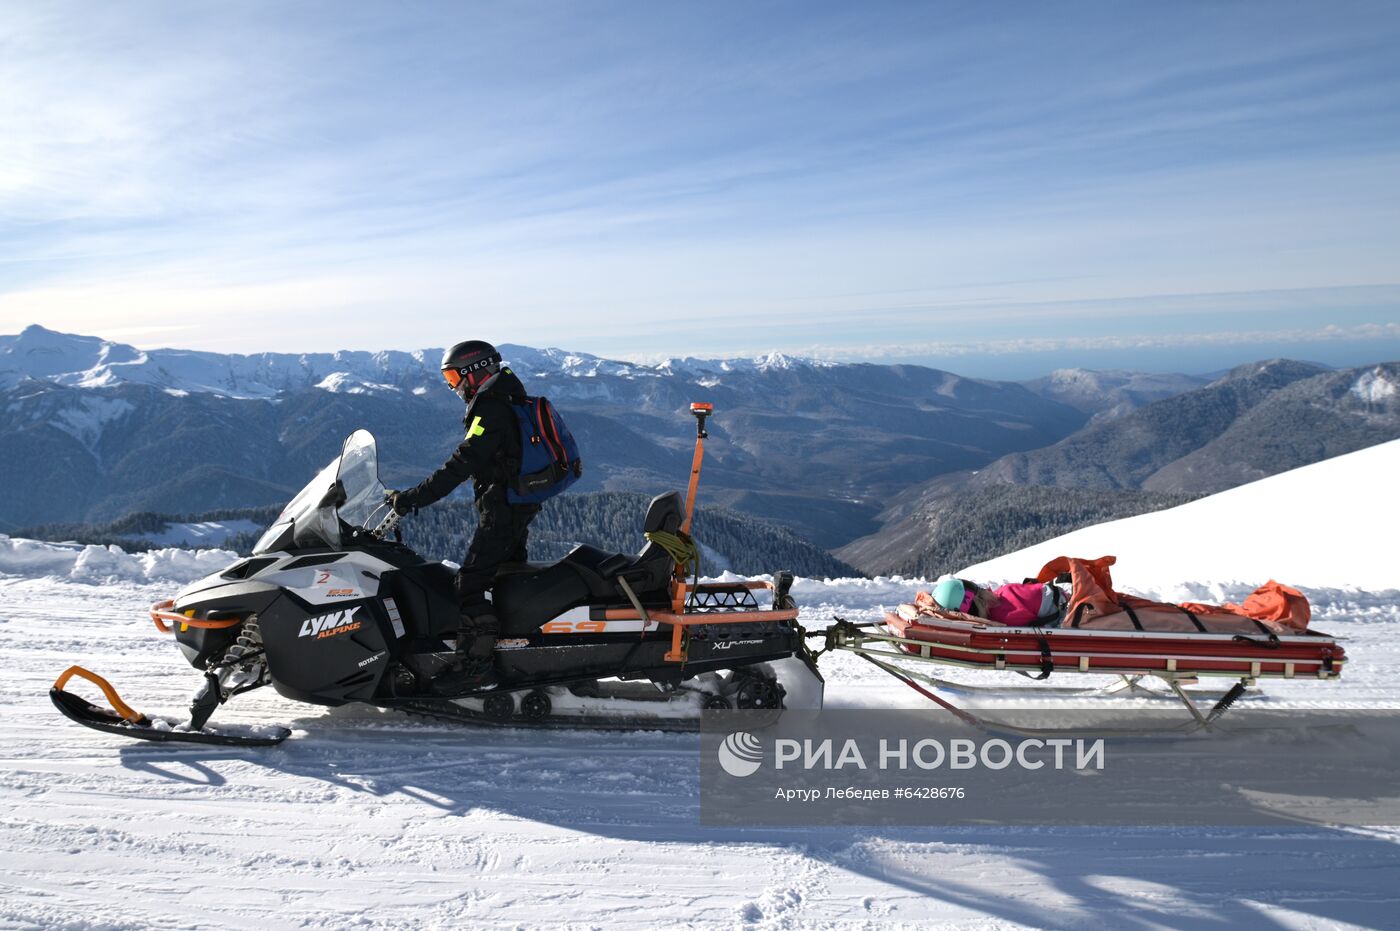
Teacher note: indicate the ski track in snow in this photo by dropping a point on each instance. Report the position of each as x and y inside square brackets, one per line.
[366, 819]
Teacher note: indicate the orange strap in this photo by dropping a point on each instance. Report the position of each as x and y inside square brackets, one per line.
[119, 706]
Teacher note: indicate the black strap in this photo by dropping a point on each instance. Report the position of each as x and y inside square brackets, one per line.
[1267, 631]
[1132, 616]
[1079, 614]
[1047, 663]
[1272, 642]
[1194, 620]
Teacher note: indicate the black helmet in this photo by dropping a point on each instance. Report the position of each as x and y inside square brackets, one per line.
[467, 366]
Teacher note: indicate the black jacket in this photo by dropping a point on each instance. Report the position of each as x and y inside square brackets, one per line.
[489, 453]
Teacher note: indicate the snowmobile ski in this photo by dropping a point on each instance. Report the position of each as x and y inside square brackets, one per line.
[121, 719]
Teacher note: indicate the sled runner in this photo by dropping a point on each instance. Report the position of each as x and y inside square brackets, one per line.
[331, 609]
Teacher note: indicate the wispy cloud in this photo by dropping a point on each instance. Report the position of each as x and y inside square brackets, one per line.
[613, 176]
[1387, 332]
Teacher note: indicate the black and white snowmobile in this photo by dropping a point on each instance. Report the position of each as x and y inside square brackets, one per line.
[329, 609]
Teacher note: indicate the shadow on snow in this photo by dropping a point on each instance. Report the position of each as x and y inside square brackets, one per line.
[644, 787]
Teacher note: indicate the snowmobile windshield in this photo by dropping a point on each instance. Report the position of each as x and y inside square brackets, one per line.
[359, 477]
[344, 496]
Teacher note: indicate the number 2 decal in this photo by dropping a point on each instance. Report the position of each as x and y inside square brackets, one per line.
[323, 577]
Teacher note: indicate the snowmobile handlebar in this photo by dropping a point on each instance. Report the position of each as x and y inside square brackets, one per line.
[386, 526]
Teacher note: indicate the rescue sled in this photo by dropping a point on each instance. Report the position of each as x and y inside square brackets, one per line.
[1132, 639]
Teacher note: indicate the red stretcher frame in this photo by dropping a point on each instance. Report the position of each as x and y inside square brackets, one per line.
[1176, 659]
[1183, 655]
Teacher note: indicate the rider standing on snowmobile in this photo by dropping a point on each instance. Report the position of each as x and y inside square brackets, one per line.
[490, 456]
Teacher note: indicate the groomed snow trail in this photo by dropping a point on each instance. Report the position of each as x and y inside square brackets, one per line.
[367, 819]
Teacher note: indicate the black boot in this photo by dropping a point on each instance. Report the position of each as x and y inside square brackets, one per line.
[475, 669]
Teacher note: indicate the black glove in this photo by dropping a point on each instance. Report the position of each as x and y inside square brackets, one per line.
[400, 502]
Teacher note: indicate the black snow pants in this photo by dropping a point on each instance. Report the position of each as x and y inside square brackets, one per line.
[501, 536]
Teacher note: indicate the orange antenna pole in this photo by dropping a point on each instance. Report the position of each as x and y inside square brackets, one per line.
[679, 587]
[701, 412]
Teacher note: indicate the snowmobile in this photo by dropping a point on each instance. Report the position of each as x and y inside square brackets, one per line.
[332, 608]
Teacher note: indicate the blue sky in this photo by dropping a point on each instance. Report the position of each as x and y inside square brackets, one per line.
[996, 188]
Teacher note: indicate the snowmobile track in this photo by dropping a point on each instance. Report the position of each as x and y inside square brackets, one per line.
[466, 716]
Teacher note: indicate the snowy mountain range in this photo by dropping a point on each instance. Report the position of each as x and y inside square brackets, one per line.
[1257, 420]
[76, 361]
[814, 445]
[884, 462]
[1114, 392]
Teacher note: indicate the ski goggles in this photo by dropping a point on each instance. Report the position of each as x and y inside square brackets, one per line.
[455, 376]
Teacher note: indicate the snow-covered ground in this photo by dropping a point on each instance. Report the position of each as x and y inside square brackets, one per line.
[1329, 523]
[369, 819]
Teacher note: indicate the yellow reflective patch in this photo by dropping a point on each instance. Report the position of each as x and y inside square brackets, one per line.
[477, 429]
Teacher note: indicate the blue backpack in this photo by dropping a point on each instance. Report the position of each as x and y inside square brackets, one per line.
[549, 459]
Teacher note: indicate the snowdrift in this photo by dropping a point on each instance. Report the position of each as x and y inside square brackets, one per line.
[80, 563]
[1330, 524]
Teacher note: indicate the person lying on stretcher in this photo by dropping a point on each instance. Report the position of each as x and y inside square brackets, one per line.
[1032, 604]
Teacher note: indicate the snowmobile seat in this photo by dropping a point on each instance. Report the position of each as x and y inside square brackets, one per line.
[525, 601]
[646, 573]
[588, 575]
[597, 563]
[521, 568]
